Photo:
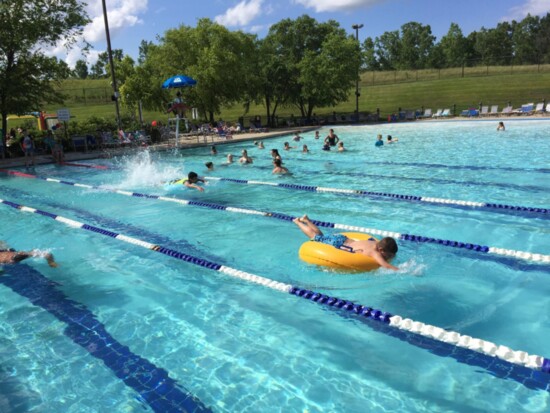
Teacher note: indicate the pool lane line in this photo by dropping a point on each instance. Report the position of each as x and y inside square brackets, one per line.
[83, 165]
[153, 384]
[417, 179]
[431, 200]
[487, 348]
[467, 167]
[524, 255]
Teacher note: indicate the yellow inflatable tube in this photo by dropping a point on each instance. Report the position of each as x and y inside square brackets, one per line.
[328, 256]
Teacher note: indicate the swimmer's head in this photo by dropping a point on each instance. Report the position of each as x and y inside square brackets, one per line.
[192, 176]
[387, 247]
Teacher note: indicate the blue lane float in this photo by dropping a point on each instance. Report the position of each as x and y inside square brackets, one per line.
[416, 198]
[478, 346]
[152, 383]
[466, 167]
[523, 255]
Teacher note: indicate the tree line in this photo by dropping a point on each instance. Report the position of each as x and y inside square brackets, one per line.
[414, 47]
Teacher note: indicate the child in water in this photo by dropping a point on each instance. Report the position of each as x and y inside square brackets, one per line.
[381, 251]
[191, 182]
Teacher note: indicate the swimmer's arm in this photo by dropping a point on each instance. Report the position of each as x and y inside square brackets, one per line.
[382, 262]
[197, 187]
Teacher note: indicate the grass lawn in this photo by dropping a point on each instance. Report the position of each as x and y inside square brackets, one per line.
[91, 97]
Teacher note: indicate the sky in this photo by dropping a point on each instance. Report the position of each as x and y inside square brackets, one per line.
[131, 21]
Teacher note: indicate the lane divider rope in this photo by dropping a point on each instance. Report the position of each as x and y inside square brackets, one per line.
[432, 200]
[523, 255]
[487, 348]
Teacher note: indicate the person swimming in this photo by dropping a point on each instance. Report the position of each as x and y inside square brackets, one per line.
[381, 251]
[11, 256]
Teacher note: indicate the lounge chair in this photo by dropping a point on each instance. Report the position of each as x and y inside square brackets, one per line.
[446, 113]
[465, 112]
[494, 111]
[507, 111]
[427, 113]
[109, 141]
[548, 108]
[438, 113]
[527, 109]
[484, 111]
[539, 108]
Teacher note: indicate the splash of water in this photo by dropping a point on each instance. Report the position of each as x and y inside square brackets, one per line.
[141, 170]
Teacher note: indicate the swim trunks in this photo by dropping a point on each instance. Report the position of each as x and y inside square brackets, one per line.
[379, 143]
[336, 240]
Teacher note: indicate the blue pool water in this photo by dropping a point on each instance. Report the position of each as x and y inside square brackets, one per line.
[215, 343]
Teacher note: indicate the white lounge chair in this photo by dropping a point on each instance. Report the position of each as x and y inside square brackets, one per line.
[539, 108]
[438, 113]
[427, 113]
[507, 111]
[548, 108]
[446, 113]
[484, 111]
[494, 111]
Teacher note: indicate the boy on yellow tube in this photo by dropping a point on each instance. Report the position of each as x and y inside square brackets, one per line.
[381, 251]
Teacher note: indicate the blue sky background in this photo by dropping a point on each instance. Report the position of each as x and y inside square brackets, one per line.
[131, 21]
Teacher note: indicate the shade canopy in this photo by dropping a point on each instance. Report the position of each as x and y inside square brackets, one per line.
[178, 81]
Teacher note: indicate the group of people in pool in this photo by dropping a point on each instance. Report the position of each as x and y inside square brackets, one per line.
[278, 168]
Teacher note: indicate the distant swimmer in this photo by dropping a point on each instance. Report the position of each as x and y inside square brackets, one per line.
[305, 149]
[229, 159]
[379, 141]
[245, 158]
[391, 140]
[278, 167]
[287, 147]
[501, 126]
[209, 166]
[332, 139]
[341, 147]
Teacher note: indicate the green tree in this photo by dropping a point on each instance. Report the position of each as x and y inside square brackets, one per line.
[454, 47]
[387, 50]
[27, 75]
[543, 40]
[369, 55]
[321, 62]
[143, 50]
[415, 46]
[495, 46]
[81, 69]
[218, 59]
[525, 34]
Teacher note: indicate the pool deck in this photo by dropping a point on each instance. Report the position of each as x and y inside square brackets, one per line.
[184, 142]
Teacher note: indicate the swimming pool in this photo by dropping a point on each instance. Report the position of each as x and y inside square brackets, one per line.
[186, 336]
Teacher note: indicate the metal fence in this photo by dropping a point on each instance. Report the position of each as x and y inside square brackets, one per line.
[372, 78]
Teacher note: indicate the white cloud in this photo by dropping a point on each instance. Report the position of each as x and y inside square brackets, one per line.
[122, 14]
[336, 5]
[240, 15]
[532, 7]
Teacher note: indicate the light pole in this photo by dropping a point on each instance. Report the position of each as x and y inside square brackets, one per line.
[357, 94]
[110, 53]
